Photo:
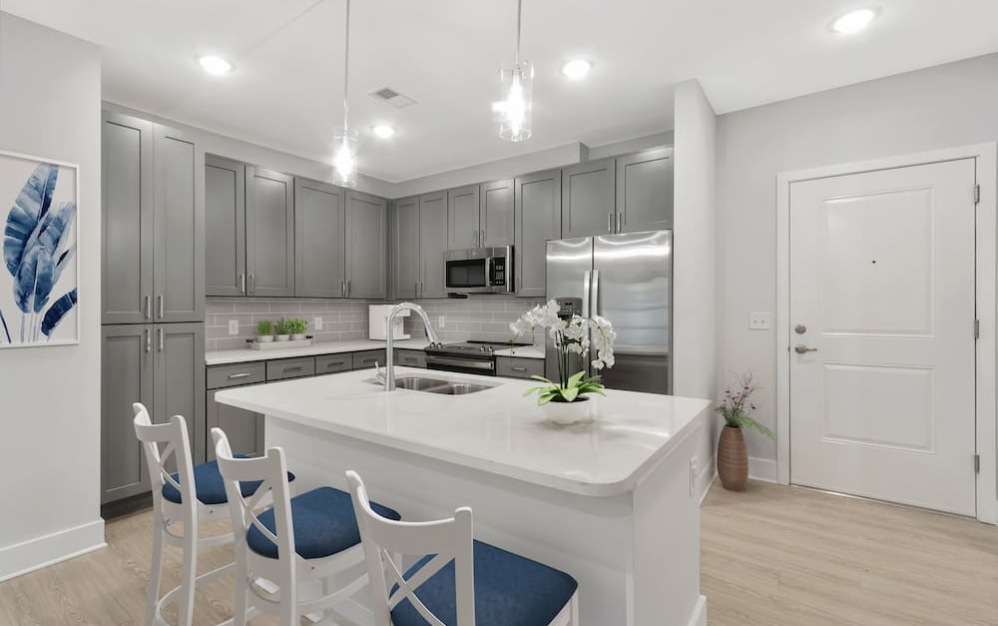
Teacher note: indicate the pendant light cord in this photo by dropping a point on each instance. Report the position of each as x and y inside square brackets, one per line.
[346, 68]
[519, 11]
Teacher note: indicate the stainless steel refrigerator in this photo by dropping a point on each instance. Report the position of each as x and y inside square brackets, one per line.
[628, 280]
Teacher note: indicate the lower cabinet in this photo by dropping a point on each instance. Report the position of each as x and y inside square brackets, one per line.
[513, 367]
[161, 366]
[410, 358]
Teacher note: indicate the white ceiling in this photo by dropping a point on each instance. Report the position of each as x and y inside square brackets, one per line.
[286, 90]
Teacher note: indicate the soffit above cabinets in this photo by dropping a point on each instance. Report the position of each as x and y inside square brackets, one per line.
[286, 88]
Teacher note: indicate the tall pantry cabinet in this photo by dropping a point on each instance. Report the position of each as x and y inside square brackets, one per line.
[153, 286]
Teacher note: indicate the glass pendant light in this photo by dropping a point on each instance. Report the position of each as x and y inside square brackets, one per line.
[345, 138]
[512, 113]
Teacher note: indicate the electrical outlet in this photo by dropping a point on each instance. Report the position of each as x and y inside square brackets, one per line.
[441, 322]
[233, 327]
[694, 474]
[317, 323]
[759, 320]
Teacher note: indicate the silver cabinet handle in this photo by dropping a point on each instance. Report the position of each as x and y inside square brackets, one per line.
[252, 284]
[288, 370]
[802, 349]
[147, 307]
[483, 237]
[609, 222]
[618, 222]
[348, 288]
[474, 236]
[148, 341]
[162, 339]
[242, 283]
[517, 368]
[239, 375]
[160, 305]
[333, 364]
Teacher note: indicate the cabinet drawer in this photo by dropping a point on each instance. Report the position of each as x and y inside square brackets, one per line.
[410, 358]
[510, 367]
[333, 363]
[290, 368]
[221, 376]
[366, 360]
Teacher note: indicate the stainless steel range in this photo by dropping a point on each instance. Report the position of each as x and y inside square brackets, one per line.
[470, 357]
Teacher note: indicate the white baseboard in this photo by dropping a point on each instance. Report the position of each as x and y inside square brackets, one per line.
[699, 617]
[762, 469]
[40, 552]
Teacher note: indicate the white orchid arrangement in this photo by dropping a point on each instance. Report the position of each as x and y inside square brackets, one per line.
[586, 336]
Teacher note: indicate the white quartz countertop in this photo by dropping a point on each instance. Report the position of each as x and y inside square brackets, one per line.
[247, 355]
[496, 430]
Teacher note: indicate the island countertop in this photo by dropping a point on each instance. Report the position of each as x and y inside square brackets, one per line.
[496, 431]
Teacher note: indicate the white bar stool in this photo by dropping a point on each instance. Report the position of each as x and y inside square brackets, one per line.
[462, 582]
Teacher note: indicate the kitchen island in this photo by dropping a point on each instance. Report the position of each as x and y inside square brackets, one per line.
[610, 501]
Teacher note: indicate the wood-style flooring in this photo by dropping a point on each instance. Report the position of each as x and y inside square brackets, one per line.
[772, 556]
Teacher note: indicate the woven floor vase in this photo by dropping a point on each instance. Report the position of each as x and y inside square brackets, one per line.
[732, 459]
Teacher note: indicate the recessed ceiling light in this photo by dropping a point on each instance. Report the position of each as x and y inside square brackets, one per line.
[576, 69]
[215, 65]
[384, 131]
[854, 21]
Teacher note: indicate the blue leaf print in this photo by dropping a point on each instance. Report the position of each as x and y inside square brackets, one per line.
[34, 280]
[29, 209]
[57, 311]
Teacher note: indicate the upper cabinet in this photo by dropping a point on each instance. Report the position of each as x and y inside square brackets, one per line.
[496, 217]
[406, 266]
[645, 191]
[538, 220]
[270, 233]
[366, 246]
[320, 245]
[153, 220]
[432, 245]
[463, 207]
[588, 199]
[225, 226]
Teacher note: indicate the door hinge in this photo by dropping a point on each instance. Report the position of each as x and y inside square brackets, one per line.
[977, 194]
[977, 463]
[977, 329]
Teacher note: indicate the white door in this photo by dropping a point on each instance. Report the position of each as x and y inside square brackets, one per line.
[882, 345]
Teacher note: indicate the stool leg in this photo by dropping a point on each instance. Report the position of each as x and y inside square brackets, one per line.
[242, 589]
[188, 574]
[156, 569]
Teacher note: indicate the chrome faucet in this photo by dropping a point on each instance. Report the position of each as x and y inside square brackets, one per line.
[431, 335]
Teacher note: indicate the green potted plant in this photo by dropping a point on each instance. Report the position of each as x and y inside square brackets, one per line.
[298, 328]
[282, 329]
[264, 331]
[565, 401]
[732, 455]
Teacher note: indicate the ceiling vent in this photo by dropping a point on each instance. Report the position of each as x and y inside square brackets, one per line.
[392, 97]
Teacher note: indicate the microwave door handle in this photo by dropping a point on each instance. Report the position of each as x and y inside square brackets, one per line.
[586, 291]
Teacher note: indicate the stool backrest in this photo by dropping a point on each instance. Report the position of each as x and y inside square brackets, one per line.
[172, 436]
[449, 540]
[271, 471]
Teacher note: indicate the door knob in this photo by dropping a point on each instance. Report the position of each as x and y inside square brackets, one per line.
[802, 349]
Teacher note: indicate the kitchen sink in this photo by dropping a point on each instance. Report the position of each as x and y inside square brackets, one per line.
[436, 385]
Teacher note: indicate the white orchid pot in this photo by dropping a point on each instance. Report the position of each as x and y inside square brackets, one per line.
[565, 413]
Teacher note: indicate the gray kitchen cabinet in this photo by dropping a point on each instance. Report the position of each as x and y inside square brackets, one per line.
[366, 246]
[286, 369]
[645, 191]
[410, 358]
[406, 265]
[333, 364]
[588, 199]
[538, 219]
[432, 245]
[368, 359]
[126, 377]
[239, 374]
[463, 211]
[270, 233]
[496, 216]
[128, 199]
[179, 387]
[243, 428]
[179, 238]
[519, 367]
[320, 223]
[225, 226]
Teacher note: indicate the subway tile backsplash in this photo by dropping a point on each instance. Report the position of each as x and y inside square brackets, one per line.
[484, 317]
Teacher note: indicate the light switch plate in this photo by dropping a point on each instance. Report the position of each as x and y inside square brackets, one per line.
[317, 323]
[233, 327]
[442, 322]
[759, 320]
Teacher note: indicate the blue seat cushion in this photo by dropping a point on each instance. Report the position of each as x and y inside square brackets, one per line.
[510, 590]
[323, 521]
[209, 486]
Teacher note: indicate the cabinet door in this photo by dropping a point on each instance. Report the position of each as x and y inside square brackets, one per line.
[319, 240]
[225, 226]
[367, 246]
[179, 232]
[496, 219]
[270, 233]
[127, 209]
[432, 245]
[463, 206]
[406, 268]
[243, 428]
[645, 191]
[126, 377]
[538, 220]
[179, 387]
[587, 199]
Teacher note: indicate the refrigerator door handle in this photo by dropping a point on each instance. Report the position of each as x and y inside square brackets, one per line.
[586, 290]
[595, 294]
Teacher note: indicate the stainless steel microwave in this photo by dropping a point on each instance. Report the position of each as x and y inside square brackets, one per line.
[479, 270]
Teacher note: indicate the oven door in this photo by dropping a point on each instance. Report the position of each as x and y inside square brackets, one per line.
[467, 271]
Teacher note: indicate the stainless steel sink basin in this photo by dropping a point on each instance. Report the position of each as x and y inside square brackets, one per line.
[436, 385]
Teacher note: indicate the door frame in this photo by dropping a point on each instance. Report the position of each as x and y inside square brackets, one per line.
[986, 159]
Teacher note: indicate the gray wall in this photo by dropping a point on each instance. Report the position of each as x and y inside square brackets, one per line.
[50, 397]
[945, 106]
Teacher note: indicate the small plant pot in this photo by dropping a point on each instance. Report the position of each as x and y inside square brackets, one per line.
[298, 337]
[265, 338]
[565, 413]
[283, 337]
[732, 459]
